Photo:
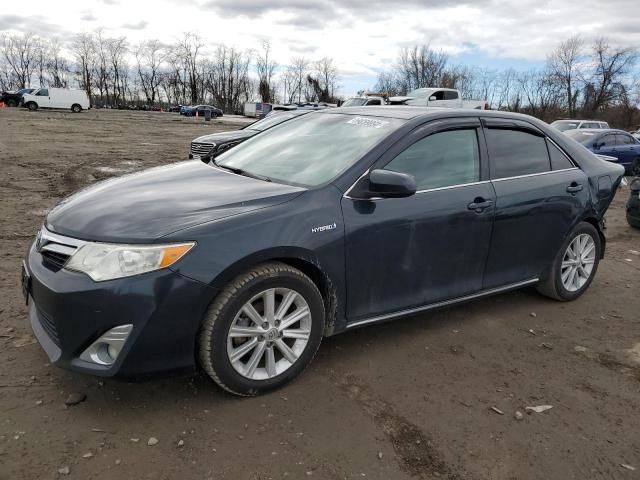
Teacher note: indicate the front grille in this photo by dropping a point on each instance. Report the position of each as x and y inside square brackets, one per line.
[56, 249]
[201, 149]
[49, 326]
[54, 260]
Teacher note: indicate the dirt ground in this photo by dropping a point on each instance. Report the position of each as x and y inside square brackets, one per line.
[433, 396]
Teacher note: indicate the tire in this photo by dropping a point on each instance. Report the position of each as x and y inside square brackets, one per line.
[633, 222]
[33, 106]
[553, 285]
[75, 108]
[273, 368]
[635, 167]
[214, 115]
[12, 103]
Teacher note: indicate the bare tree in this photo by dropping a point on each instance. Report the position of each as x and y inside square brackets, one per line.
[149, 57]
[323, 81]
[265, 67]
[605, 85]
[20, 53]
[83, 48]
[118, 49]
[189, 48]
[563, 64]
[294, 78]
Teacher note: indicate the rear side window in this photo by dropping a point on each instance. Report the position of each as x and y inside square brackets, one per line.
[624, 140]
[443, 159]
[559, 160]
[517, 152]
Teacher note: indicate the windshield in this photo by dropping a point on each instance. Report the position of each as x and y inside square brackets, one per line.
[580, 135]
[354, 102]
[310, 151]
[564, 125]
[272, 121]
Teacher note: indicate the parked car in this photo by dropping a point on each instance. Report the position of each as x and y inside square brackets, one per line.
[331, 222]
[633, 204]
[58, 98]
[14, 99]
[612, 143]
[636, 134]
[438, 97]
[207, 147]
[200, 111]
[564, 125]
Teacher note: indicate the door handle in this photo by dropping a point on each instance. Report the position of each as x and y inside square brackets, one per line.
[574, 187]
[479, 204]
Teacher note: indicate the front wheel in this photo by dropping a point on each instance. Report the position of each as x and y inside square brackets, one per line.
[575, 264]
[635, 167]
[262, 330]
[33, 106]
[12, 103]
[75, 108]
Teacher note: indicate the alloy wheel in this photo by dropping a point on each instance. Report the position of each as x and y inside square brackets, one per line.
[578, 262]
[269, 333]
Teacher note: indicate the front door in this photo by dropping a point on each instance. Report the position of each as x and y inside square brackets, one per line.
[403, 253]
[42, 98]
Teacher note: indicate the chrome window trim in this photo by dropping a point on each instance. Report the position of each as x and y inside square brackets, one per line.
[534, 174]
[459, 185]
[431, 306]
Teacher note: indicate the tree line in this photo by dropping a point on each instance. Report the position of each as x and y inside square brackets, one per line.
[116, 73]
[593, 81]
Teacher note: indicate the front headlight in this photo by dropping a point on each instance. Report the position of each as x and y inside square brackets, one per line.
[103, 261]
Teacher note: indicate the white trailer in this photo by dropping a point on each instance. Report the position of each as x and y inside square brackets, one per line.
[59, 98]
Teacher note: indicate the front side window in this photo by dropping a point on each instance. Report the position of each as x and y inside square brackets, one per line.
[451, 95]
[517, 152]
[441, 160]
[607, 141]
[43, 92]
[312, 150]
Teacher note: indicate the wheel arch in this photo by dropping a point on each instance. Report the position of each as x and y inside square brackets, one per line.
[598, 225]
[296, 257]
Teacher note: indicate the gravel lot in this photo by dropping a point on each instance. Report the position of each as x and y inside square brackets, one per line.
[433, 396]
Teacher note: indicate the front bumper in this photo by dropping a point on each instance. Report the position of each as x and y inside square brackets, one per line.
[68, 311]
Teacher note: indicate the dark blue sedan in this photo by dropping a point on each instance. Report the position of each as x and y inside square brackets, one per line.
[613, 143]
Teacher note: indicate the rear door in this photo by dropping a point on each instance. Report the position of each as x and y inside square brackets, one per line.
[539, 194]
[627, 148]
[403, 253]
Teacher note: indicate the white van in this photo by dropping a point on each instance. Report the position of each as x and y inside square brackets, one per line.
[63, 98]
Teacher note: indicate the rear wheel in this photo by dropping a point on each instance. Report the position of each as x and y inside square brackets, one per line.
[33, 106]
[75, 108]
[262, 330]
[575, 264]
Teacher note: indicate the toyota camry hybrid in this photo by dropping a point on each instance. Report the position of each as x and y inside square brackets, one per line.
[334, 220]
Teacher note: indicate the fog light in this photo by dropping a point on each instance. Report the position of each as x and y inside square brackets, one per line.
[105, 350]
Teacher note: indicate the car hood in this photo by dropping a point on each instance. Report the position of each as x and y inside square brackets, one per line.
[147, 205]
[224, 137]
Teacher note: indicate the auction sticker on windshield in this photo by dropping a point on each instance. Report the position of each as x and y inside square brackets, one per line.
[367, 122]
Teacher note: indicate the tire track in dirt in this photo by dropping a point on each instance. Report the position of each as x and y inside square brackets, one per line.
[415, 452]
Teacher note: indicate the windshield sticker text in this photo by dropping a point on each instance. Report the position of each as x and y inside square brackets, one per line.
[367, 122]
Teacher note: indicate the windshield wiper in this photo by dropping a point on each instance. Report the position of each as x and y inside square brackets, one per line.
[240, 171]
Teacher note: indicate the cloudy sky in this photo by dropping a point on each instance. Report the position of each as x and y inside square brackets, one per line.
[363, 36]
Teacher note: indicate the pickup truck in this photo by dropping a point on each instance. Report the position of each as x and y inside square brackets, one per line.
[13, 99]
[438, 97]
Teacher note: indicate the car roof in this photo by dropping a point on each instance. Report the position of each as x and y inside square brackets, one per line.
[578, 120]
[404, 112]
[601, 130]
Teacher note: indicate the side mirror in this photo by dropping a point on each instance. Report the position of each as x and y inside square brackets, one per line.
[388, 184]
[432, 98]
